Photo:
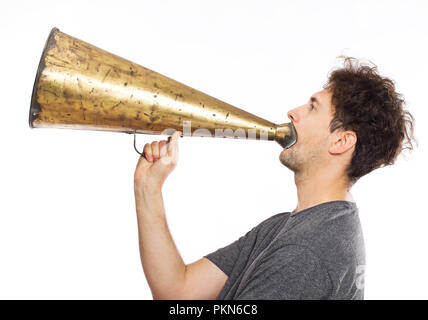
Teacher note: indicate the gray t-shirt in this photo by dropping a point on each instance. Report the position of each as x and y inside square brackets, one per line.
[317, 253]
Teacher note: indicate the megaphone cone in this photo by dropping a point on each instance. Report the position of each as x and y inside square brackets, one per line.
[80, 86]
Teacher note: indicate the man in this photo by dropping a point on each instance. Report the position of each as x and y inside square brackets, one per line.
[354, 125]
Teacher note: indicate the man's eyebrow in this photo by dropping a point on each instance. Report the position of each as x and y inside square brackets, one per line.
[314, 99]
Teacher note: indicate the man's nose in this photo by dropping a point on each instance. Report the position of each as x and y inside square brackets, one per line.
[292, 115]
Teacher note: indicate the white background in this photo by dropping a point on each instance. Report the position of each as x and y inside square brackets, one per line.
[67, 214]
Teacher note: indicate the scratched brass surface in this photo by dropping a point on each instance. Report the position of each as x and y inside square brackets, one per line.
[79, 86]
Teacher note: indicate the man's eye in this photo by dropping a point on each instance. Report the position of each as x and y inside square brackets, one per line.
[312, 107]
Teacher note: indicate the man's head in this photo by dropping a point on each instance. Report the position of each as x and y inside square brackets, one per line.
[354, 125]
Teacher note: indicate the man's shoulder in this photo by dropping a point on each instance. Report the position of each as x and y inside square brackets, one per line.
[342, 227]
[338, 240]
[335, 221]
[331, 231]
[334, 235]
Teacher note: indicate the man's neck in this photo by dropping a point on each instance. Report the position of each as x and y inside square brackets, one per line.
[320, 187]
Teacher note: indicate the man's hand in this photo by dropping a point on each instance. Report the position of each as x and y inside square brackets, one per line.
[158, 160]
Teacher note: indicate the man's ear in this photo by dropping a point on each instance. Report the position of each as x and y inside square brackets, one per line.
[344, 141]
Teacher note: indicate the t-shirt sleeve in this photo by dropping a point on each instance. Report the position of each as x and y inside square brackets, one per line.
[226, 257]
[291, 272]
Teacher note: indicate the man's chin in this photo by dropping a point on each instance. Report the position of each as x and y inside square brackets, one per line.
[284, 152]
[288, 159]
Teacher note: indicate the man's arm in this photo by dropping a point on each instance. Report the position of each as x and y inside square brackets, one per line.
[167, 274]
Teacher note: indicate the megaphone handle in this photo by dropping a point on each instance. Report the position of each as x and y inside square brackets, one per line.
[135, 147]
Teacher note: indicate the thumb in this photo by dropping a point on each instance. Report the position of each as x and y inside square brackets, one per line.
[171, 156]
[173, 146]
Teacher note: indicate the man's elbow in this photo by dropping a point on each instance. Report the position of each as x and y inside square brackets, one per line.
[177, 292]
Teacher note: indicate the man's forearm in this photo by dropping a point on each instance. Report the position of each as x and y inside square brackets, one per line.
[162, 264]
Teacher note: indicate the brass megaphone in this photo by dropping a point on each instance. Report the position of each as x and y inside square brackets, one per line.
[80, 86]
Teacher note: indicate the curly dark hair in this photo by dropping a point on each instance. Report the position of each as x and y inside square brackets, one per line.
[367, 103]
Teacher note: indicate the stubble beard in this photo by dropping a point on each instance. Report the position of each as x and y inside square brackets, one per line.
[291, 159]
[300, 162]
